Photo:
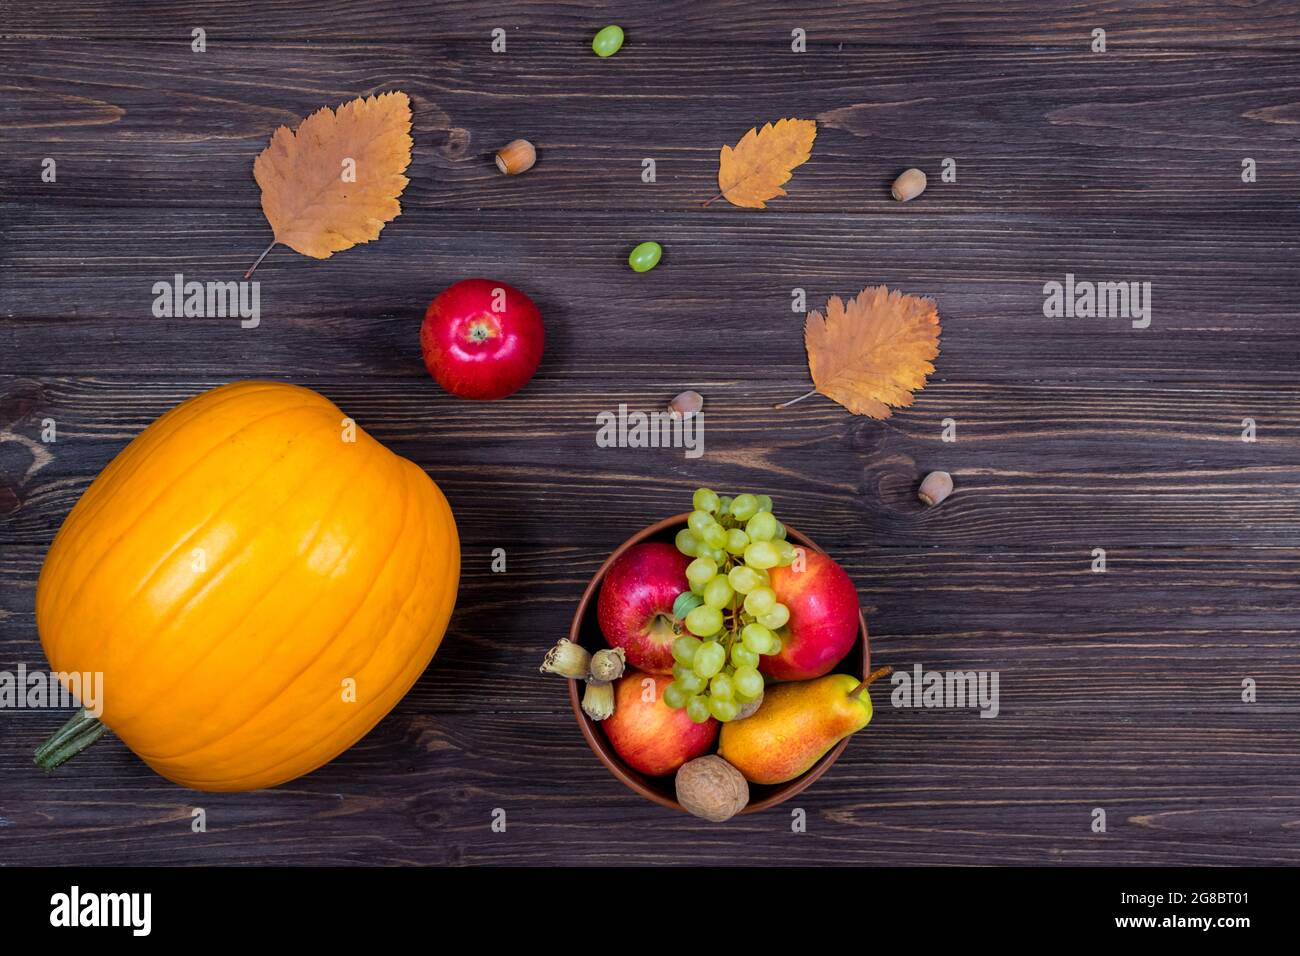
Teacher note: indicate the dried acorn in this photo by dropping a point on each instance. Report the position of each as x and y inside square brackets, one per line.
[686, 405]
[936, 487]
[748, 710]
[568, 660]
[598, 699]
[608, 664]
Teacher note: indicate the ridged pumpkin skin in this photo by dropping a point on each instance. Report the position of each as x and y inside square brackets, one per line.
[232, 568]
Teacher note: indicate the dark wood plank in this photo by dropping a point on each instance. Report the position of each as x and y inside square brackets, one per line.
[1159, 630]
[155, 125]
[1119, 690]
[1097, 673]
[925, 789]
[1035, 465]
[76, 293]
[829, 26]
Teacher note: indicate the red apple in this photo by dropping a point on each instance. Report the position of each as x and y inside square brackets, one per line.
[482, 339]
[823, 621]
[635, 608]
[649, 735]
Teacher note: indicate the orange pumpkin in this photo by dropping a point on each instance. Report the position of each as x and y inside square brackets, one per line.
[259, 582]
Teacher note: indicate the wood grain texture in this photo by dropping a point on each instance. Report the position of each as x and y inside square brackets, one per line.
[155, 125]
[529, 23]
[1119, 690]
[1220, 290]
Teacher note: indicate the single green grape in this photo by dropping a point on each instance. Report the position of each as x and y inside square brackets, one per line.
[721, 687]
[784, 552]
[764, 503]
[780, 531]
[776, 617]
[724, 710]
[608, 41]
[684, 649]
[715, 537]
[760, 601]
[724, 505]
[698, 521]
[746, 681]
[700, 572]
[761, 527]
[762, 555]
[744, 578]
[709, 659]
[737, 541]
[743, 507]
[703, 621]
[705, 500]
[645, 256]
[741, 656]
[675, 696]
[717, 592]
[697, 708]
[687, 542]
[756, 637]
[689, 681]
[717, 556]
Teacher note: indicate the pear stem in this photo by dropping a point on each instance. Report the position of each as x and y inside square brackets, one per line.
[871, 679]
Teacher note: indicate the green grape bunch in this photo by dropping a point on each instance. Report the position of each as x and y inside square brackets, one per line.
[731, 612]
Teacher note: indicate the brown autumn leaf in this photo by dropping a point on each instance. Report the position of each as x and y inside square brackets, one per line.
[334, 182]
[763, 161]
[873, 352]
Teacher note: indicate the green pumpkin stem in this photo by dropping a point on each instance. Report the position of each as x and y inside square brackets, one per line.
[69, 740]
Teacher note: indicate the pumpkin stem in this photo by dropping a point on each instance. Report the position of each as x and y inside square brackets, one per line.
[69, 740]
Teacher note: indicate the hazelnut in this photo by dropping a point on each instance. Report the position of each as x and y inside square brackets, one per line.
[567, 659]
[608, 664]
[516, 157]
[909, 185]
[711, 788]
[598, 699]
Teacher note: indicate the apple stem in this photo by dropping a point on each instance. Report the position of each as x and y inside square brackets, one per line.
[249, 273]
[871, 679]
[807, 394]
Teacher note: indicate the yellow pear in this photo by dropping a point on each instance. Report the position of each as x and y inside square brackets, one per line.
[797, 723]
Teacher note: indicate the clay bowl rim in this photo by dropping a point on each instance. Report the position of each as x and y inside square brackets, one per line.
[596, 740]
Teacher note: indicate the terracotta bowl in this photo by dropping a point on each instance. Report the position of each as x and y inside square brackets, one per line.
[585, 630]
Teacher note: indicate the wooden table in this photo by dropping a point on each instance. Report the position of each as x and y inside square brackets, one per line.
[1120, 690]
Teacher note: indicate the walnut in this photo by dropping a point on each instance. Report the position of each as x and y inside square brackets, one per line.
[711, 788]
